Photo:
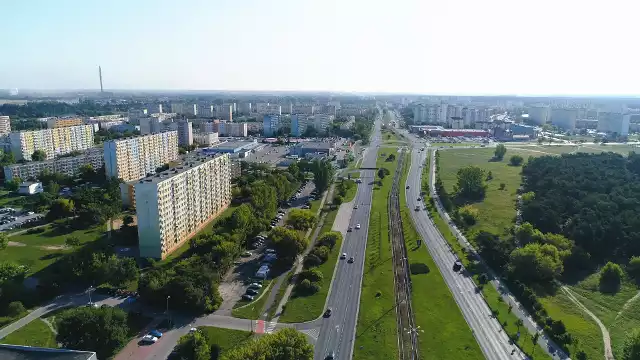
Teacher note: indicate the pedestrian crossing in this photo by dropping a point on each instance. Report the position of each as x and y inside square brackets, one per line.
[314, 333]
[265, 327]
[270, 326]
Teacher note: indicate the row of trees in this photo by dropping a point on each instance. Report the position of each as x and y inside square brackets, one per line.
[310, 280]
[41, 109]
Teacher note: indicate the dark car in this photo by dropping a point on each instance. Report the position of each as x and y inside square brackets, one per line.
[457, 265]
[252, 292]
[350, 261]
[330, 356]
[327, 312]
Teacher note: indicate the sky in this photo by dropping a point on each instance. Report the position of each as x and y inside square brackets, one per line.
[526, 47]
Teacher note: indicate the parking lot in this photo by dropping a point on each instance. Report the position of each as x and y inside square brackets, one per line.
[12, 219]
[238, 280]
[271, 154]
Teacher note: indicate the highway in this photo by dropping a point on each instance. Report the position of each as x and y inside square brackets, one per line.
[337, 332]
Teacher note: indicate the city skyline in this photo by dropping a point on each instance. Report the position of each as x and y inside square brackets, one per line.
[457, 47]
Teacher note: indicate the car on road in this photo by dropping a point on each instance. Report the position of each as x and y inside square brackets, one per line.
[350, 229]
[457, 265]
[246, 254]
[192, 330]
[357, 226]
[355, 207]
[351, 260]
[327, 312]
[419, 199]
[155, 333]
[408, 186]
[149, 339]
[343, 256]
[417, 207]
[330, 356]
[247, 297]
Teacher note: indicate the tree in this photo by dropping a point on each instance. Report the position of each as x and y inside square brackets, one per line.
[193, 346]
[323, 173]
[516, 160]
[470, 184]
[321, 252]
[4, 240]
[338, 200]
[468, 215]
[634, 267]
[263, 199]
[540, 140]
[15, 308]
[59, 209]
[526, 234]
[103, 330]
[528, 197]
[631, 347]
[611, 277]
[502, 186]
[127, 220]
[38, 155]
[72, 241]
[287, 243]
[286, 344]
[382, 172]
[301, 219]
[87, 172]
[500, 151]
[535, 263]
[329, 239]
[13, 185]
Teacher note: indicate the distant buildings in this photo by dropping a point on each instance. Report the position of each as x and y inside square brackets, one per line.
[312, 147]
[540, 114]
[58, 141]
[245, 108]
[184, 109]
[319, 122]
[150, 125]
[174, 205]
[206, 138]
[65, 165]
[268, 109]
[205, 110]
[302, 109]
[134, 158]
[564, 118]
[224, 112]
[5, 125]
[271, 124]
[232, 129]
[185, 133]
[53, 123]
[614, 123]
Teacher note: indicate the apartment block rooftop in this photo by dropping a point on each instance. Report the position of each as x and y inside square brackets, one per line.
[18, 352]
[188, 162]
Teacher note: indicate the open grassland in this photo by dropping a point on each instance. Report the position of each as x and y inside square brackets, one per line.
[446, 333]
[376, 333]
[36, 333]
[225, 339]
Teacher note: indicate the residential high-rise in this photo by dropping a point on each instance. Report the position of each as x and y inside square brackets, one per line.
[271, 124]
[65, 165]
[564, 118]
[205, 138]
[174, 205]
[613, 122]
[5, 125]
[55, 122]
[302, 109]
[58, 141]
[232, 129]
[205, 110]
[150, 125]
[300, 123]
[180, 108]
[185, 133]
[540, 114]
[134, 158]
[322, 121]
[224, 112]
[245, 108]
[268, 109]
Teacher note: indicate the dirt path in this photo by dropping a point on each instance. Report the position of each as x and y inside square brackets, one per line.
[43, 247]
[15, 243]
[606, 339]
[626, 305]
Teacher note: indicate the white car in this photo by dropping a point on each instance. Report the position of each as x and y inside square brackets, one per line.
[149, 338]
[355, 207]
[343, 256]
[357, 226]
[255, 286]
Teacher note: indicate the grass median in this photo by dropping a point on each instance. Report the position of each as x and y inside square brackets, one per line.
[377, 333]
[307, 308]
[446, 333]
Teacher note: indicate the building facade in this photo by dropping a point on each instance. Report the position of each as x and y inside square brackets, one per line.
[232, 129]
[206, 138]
[5, 125]
[271, 124]
[205, 110]
[58, 141]
[268, 109]
[540, 114]
[134, 158]
[69, 166]
[53, 123]
[613, 123]
[224, 112]
[150, 125]
[300, 123]
[185, 133]
[174, 205]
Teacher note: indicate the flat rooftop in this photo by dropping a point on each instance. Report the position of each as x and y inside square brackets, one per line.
[16, 352]
[188, 163]
[234, 145]
[316, 145]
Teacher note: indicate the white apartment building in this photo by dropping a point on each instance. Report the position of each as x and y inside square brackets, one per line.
[205, 110]
[150, 125]
[206, 138]
[174, 205]
[185, 133]
[232, 129]
[134, 158]
[58, 141]
[287, 108]
[66, 165]
[302, 109]
[224, 112]
[5, 125]
[540, 114]
[613, 122]
[181, 108]
[322, 121]
[564, 118]
[268, 109]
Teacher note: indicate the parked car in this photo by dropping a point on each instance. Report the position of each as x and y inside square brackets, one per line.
[255, 285]
[247, 297]
[247, 254]
[252, 291]
[350, 229]
[149, 339]
[155, 333]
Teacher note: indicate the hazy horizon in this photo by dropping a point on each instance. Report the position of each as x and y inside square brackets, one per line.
[465, 47]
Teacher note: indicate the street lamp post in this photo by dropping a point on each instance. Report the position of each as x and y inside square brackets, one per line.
[167, 311]
[90, 290]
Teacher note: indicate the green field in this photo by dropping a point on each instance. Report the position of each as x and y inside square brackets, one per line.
[225, 339]
[376, 333]
[252, 310]
[447, 335]
[40, 250]
[307, 308]
[10, 198]
[35, 333]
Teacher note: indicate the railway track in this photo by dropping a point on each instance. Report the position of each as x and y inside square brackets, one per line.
[407, 337]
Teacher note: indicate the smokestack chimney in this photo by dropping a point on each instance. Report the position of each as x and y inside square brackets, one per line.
[100, 73]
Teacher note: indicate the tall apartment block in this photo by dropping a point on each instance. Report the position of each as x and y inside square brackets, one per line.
[185, 133]
[174, 205]
[205, 110]
[5, 125]
[65, 165]
[134, 158]
[150, 125]
[224, 112]
[53, 123]
[271, 124]
[58, 141]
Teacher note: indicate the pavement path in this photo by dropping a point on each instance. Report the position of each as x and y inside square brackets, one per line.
[606, 339]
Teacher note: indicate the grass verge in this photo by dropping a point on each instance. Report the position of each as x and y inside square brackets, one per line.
[225, 339]
[35, 333]
[376, 332]
[446, 333]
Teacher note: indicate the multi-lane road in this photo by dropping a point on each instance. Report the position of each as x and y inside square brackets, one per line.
[337, 332]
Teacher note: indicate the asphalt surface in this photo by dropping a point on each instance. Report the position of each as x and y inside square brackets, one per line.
[337, 332]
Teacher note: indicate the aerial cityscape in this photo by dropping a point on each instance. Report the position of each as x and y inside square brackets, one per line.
[213, 196]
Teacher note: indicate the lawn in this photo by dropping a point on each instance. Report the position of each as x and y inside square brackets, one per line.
[391, 137]
[35, 333]
[10, 198]
[225, 339]
[252, 310]
[376, 333]
[43, 249]
[447, 335]
[351, 191]
[306, 308]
